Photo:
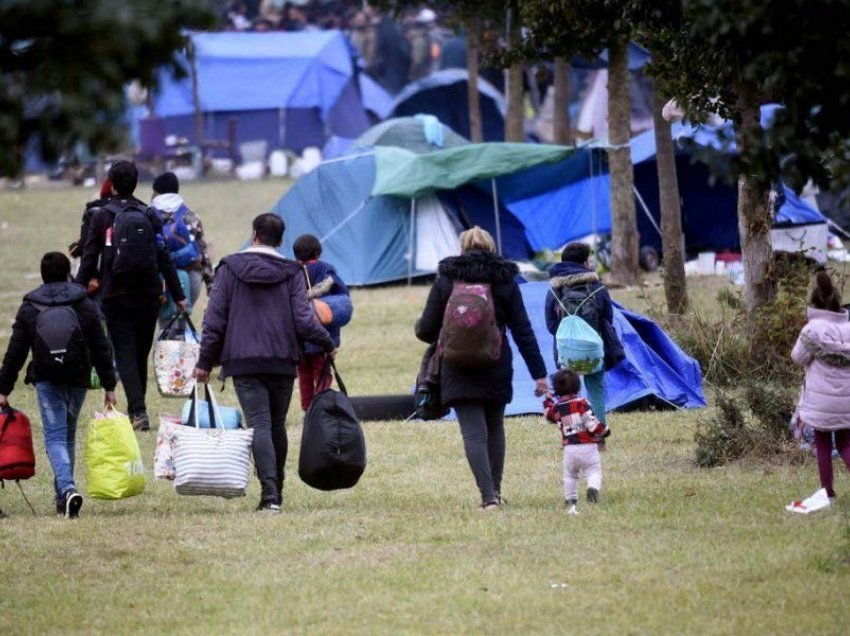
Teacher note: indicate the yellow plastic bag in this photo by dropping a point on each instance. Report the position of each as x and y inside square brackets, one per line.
[113, 457]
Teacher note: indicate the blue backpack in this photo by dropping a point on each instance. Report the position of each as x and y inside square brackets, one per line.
[184, 250]
[578, 343]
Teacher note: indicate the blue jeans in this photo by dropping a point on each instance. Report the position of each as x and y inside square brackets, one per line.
[60, 406]
[594, 386]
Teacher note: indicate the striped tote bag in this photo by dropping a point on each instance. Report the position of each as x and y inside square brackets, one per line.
[211, 461]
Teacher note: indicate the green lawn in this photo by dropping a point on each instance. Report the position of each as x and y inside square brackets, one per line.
[670, 549]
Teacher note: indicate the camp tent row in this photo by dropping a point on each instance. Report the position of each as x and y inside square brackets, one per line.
[388, 214]
[288, 89]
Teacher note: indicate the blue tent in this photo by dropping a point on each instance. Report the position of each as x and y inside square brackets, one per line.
[388, 214]
[555, 208]
[655, 369]
[290, 89]
[444, 95]
[709, 206]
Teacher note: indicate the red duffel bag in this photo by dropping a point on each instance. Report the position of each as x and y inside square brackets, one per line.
[17, 457]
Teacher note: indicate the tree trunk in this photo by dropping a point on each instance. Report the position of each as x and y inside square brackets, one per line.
[675, 286]
[515, 121]
[476, 132]
[625, 242]
[754, 224]
[562, 127]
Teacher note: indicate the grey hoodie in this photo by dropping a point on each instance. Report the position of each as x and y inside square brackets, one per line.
[258, 316]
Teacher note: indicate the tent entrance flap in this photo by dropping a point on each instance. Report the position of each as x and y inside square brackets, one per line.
[436, 234]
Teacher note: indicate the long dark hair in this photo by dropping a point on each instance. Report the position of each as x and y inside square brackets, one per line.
[825, 295]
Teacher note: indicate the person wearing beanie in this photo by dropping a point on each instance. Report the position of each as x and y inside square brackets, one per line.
[184, 235]
[574, 284]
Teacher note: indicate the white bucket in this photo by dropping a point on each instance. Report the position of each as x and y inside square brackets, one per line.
[705, 263]
[277, 164]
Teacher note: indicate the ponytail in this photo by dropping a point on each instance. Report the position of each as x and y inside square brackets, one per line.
[824, 295]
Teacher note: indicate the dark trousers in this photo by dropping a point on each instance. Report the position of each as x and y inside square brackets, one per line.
[264, 399]
[131, 322]
[483, 429]
[823, 445]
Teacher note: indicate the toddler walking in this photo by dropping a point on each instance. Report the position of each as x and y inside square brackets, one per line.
[581, 432]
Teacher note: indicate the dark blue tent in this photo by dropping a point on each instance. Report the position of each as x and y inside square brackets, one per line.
[655, 370]
[709, 206]
[290, 89]
[444, 95]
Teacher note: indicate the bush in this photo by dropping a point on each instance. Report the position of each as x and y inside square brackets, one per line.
[752, 425]
[756, 393]
[724, 436]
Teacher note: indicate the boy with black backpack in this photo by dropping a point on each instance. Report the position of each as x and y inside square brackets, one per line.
[62, 328]
[579, 290]
[125, 251]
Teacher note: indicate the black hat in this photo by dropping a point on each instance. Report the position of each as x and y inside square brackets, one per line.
[166, 183]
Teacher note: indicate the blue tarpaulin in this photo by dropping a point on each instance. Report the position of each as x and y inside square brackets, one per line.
[655, 369]
[286, 88]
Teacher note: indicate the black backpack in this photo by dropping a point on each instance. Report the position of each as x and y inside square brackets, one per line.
[60, 352]
[573, 300]
[134, 241]
[333, 449]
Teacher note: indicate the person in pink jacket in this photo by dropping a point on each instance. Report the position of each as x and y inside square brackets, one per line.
[823, 348]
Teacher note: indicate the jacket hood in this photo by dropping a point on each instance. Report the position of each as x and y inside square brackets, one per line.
[569, 274]
[827, 336]
[53, 294]
[256, 267]
[168, 203]
[478, 267]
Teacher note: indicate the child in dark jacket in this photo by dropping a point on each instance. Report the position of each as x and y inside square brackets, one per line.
[581, 432]
[322, 281]
[58, 314]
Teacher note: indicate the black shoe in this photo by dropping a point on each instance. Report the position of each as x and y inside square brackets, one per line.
[592, 496]
[493, 504]
[140, 421]
[3, 515]
[269, 507]
[73, 503]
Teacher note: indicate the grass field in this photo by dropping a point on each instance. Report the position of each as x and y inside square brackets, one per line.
[670, 549]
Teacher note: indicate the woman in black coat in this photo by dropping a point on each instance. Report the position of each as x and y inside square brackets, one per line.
[479, 396]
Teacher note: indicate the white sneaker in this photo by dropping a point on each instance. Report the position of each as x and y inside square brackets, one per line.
[818, 501]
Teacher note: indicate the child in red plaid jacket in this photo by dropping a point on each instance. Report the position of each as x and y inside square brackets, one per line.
[581, 432]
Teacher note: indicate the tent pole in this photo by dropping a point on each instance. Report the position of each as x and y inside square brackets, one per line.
[196, 93]
[410, 245]
[496, 217]
[593, 207]
[646, 210]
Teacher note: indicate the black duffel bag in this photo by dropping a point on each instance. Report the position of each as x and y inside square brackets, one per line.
[333, 449]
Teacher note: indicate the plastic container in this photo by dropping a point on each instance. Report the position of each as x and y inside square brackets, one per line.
[705, 263]
[278, 164]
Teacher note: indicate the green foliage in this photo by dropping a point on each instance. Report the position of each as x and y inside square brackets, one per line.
[727, 56]
[723, 437]
[721, 343]
[766, 386]
[64, 66]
